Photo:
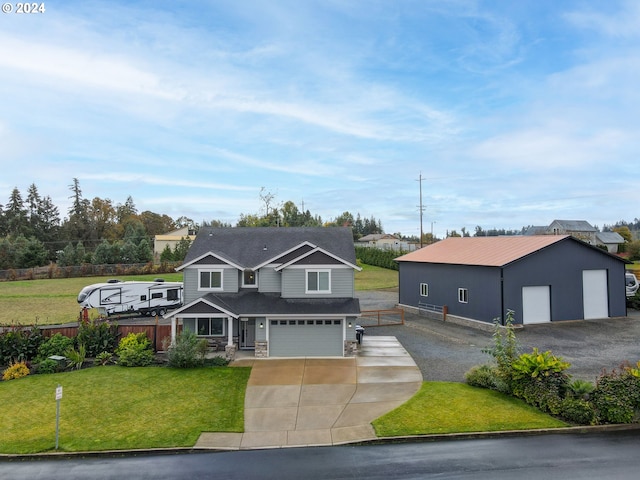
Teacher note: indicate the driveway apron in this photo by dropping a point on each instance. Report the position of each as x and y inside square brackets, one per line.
[321, 401]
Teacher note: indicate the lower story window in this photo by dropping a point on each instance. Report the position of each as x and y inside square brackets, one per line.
[210, 327]
[463, 295]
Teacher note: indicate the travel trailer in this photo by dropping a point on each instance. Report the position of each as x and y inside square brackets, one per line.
[147, 298]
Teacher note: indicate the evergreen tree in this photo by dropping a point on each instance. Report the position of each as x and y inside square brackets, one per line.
[145, 253]
[124, 212]
[15, 215]
[102, 254]
[78, 227]
[181, 249]
[30, 252]
[128, 252]
[167, 254]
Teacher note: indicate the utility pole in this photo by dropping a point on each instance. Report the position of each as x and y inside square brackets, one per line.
[420, 207]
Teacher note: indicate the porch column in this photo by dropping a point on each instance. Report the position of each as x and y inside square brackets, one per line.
[229, 330]
[173, 330]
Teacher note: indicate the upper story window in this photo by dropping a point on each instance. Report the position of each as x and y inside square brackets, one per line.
[210, 280]
[318, 281]
[424, 289]
[249, 278]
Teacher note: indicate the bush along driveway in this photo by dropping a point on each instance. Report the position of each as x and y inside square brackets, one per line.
[542, 379]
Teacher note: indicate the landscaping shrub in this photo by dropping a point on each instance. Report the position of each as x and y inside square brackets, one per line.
[98, 337]
[57, 344]
[47, 366]
[19, 343]
[581, 389]
[544, 392]
[188, 351]
[15, 370]
[578, 411]
[217, 362]
[616, 398]
[135, 350]
[505, 350]
[104, 358]
[485, 376]
[536, 364]
[76, 358]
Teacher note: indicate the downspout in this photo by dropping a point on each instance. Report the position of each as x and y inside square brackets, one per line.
[502, 296]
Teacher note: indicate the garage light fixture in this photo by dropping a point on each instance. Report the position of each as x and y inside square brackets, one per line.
[261, 325]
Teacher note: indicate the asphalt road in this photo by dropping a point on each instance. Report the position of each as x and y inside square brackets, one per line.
[445, 351]
[568, 456]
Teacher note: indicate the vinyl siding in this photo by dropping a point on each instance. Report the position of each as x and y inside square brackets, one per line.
[230, 282]
[269, 280]
[294, 283]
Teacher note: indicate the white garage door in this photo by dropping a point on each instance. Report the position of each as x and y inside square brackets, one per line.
[306, 338]
[595, 294]
[536, 304]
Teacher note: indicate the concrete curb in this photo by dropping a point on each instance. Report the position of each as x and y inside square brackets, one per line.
[376, 441]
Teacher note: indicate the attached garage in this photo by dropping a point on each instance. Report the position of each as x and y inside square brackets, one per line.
[306, 338]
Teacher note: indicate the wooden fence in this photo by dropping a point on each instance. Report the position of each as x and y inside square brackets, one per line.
[155, 333]
[379, 318]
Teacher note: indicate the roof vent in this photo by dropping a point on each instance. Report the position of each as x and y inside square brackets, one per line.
[265, 247]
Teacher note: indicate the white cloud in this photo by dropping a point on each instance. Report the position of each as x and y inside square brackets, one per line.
[622, 23]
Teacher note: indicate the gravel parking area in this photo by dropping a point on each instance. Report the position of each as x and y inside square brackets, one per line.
[444, 351]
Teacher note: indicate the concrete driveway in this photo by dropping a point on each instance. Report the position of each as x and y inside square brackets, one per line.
[321, 401]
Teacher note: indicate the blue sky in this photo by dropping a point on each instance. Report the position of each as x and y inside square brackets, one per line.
[514, 113]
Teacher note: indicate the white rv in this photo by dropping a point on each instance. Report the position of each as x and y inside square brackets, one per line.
[147, 298]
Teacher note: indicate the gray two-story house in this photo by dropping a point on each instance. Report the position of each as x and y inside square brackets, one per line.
[283, 292]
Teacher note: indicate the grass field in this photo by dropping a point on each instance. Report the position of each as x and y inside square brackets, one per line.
[447, 407]
[375, 278]
[52, 302]
[105, 408]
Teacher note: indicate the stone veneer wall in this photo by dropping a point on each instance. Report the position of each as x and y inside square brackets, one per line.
[350, 348]
[262, 350]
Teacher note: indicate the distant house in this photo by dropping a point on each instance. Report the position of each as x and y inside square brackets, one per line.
[611, 240]
[542, 278]
[171, 239]
[282, 292]
[579, 229]
[385, 241]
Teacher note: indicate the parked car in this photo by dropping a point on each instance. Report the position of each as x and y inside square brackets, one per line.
[632, 284]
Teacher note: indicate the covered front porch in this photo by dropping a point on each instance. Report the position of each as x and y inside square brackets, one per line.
[271, 326]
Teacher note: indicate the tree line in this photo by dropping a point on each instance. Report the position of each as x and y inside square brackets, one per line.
[99, 231]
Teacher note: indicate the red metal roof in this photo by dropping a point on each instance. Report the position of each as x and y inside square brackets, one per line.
[484, 251]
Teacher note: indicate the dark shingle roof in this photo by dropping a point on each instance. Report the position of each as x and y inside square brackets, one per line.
[251, 303]
[249, 246]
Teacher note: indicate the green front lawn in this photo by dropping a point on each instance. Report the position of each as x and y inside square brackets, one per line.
[447, 407]
[121, 408]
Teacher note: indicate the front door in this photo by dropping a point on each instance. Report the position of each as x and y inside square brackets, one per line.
[247, 333]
